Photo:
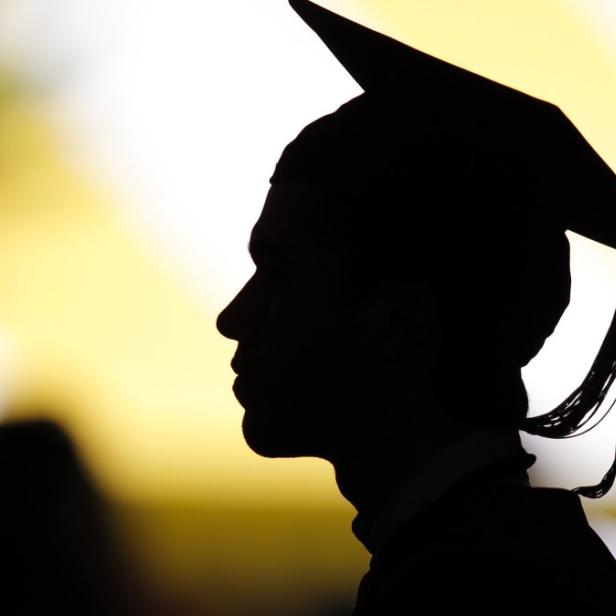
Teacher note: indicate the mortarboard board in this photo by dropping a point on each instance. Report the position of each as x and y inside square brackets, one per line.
[419, 113]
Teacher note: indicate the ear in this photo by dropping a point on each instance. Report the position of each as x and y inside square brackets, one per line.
[398, 321]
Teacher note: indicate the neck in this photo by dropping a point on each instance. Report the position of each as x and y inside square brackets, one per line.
[370, 475]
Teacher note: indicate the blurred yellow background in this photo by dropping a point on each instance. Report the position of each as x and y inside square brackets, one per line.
[135, 156]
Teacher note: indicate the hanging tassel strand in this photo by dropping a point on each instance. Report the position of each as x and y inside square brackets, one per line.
[567, 419]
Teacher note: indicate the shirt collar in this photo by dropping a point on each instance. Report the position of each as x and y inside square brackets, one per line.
[440, 472]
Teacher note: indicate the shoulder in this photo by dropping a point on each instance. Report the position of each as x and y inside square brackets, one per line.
[530, 547]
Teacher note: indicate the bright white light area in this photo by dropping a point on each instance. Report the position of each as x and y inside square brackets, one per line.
[184, 106]
[601, 16]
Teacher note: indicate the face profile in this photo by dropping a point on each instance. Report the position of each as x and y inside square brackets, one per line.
[315, 358]
[283, 322]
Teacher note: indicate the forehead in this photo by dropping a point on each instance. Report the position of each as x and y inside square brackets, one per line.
[293, 214]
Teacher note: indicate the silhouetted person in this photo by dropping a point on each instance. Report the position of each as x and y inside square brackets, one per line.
[410, 259]
[56, 552]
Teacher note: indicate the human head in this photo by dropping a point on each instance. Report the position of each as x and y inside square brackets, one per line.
[363, 303]
[319, 362]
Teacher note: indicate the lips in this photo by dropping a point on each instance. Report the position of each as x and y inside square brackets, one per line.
[244, 391]
[235, 366]
[239, 361]
[236, 385]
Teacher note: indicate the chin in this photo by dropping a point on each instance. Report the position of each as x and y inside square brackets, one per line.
[272, 439]
[280, 426]
[266, 441]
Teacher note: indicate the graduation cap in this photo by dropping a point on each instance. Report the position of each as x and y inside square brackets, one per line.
[421, 117]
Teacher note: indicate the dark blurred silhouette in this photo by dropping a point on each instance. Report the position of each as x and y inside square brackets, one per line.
[58, 552]
[410, 259]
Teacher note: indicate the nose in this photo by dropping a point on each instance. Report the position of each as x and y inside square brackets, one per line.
[224, 322]
[232, 321]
